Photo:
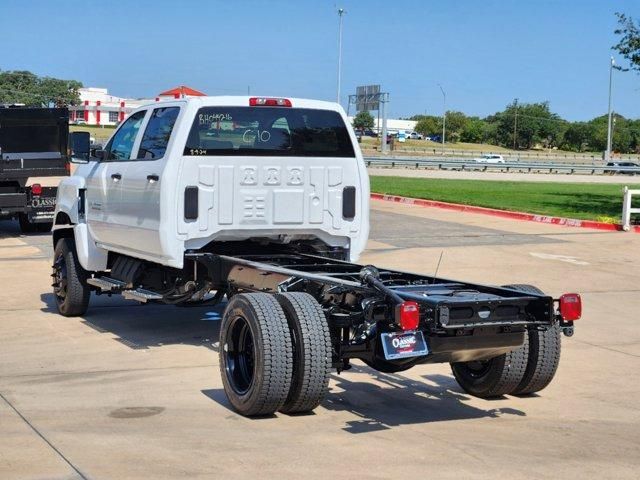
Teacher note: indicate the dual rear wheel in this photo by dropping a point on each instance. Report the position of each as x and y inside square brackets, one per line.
[523, 371]
[275, 353]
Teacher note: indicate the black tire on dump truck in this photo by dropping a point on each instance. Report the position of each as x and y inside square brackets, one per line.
[26, 226]
[256, 356]
[311, 344]
[69, 280]
[544, 353]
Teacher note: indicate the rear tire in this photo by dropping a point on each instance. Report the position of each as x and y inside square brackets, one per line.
[44, 227]
[311, 343]
[25, 225]
[544, 353]
[495, 377]
[69, 280]
[256, 360]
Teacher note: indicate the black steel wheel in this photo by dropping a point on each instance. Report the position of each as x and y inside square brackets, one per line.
[544, 353]
[69, 280]
[256, 359]
[495, 377]
[311, 344]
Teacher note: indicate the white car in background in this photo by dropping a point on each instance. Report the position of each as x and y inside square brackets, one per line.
[490, 158]
[414, 136]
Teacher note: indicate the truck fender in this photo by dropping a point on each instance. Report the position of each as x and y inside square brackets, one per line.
[67, 198]
[92, 258]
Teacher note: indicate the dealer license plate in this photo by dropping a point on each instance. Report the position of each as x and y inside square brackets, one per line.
[403, 345]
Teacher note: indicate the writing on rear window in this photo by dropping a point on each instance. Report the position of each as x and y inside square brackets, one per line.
[269, 131]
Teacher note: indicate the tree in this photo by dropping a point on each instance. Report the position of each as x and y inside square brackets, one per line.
[525, 125]
[428, 125]
[475, 130]
[21, 86]
[363, 120]
[578, 137]
[629, 44]
[455, 124]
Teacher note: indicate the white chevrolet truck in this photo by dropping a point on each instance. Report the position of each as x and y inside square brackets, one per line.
[263, 204]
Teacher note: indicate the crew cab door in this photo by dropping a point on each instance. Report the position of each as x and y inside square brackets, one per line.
[142, 178]
[104, 193]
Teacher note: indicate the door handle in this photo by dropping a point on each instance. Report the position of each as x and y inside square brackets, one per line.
[153, 178]
[116, 176]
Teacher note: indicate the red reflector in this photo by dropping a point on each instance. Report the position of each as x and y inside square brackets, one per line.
[408, 315]
[269, 102]
[36, 189]
[570, 306]
[67, 167]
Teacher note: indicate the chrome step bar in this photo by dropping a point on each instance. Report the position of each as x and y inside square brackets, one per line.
[141, 295]
[107, 284]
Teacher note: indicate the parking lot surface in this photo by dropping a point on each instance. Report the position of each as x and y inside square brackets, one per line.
[131, 391]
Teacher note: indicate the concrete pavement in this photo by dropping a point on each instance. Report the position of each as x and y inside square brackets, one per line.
[134, 391]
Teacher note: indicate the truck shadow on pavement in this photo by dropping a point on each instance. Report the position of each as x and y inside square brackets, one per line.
[145, 326]
[378, 401]
[385, 400]
[381, 401]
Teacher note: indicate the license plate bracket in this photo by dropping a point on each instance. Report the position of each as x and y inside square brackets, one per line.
[404, 345]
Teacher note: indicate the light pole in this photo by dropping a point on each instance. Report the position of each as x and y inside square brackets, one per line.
[607, 154]
[341, 12]
[444, 116]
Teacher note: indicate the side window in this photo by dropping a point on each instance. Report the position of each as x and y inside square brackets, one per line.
[120, 147]
[157, 134]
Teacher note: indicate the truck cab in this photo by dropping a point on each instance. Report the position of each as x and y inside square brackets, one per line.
[179, 175]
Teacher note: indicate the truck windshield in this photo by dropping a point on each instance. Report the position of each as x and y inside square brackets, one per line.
[269, 131]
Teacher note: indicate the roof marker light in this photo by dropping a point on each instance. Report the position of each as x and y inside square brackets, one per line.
[269, 102]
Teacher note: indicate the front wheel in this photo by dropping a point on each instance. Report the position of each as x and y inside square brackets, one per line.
[69, 280]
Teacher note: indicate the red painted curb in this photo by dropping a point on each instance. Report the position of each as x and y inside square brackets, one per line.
[529, 217]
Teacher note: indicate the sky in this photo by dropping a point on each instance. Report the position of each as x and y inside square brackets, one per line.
[483, 53]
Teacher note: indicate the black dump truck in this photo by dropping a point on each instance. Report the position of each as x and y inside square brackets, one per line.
[34, 143]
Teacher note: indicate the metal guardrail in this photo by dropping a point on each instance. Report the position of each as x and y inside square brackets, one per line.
[548, 155]
[471, 165]
[626, 208]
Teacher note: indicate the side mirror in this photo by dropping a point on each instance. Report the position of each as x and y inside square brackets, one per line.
[79, 143]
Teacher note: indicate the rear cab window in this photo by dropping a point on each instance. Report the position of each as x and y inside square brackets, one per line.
[157, 133]
[268, 131]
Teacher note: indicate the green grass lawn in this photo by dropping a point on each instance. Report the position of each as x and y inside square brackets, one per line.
[101, 134]
[586, 201]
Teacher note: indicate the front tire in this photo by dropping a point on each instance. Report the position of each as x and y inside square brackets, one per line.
[256, 360]
[69, 280]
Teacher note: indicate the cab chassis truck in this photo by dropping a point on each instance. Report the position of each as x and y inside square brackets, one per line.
[264, 201]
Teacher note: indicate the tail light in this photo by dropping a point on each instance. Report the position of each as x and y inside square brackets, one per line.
[408, 315]
[269, 102]
[67, 167]
[570, 307]
[36, 189]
